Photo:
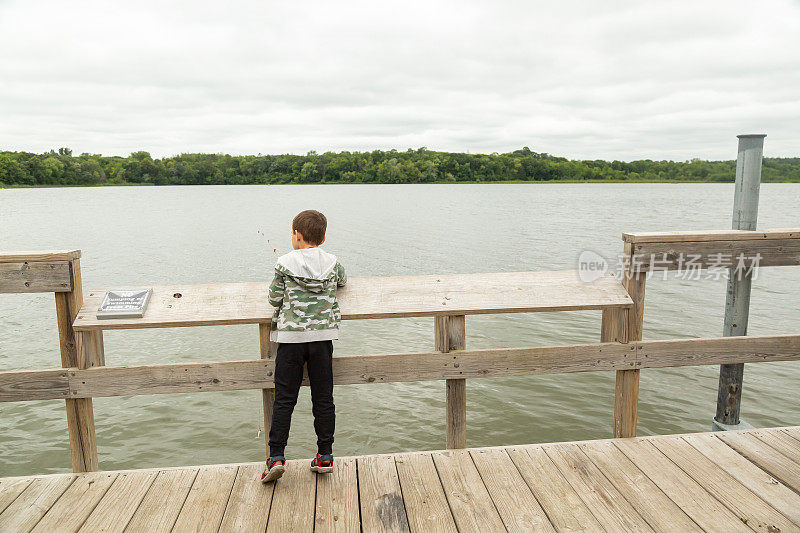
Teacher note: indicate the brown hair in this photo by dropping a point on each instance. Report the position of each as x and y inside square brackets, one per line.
[312, 225]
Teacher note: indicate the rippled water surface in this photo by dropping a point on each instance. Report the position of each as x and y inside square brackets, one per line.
[148, 235]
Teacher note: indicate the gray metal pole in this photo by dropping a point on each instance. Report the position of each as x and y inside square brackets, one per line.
[737, 302]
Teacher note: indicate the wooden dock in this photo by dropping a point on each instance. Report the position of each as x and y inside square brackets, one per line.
[730, 481]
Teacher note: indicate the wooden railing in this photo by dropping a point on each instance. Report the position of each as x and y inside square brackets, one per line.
[446, 298]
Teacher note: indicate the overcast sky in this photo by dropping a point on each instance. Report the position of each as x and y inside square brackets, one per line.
[595, 79]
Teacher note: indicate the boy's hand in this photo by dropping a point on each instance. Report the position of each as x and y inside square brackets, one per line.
[341, 277]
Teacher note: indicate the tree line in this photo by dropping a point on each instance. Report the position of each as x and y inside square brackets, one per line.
[61, 167]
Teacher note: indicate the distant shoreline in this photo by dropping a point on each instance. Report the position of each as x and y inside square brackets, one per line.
[413, 166]
[514, 182]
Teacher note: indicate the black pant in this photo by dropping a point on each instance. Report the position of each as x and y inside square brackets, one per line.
[288, 377]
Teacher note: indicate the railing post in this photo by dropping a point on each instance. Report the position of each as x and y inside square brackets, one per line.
[267, 395]
[737, 300]
[74, 353]
[451, 335]
[626, 395]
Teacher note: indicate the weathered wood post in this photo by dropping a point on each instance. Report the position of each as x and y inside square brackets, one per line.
[82, 351]
[267, 395]
[737, 300]
[451, 335]
[626, 396]
[59, 272]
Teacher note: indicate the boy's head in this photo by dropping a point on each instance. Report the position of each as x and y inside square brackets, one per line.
[308, 229]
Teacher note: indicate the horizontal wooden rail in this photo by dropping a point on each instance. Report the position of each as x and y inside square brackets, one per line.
[376, 297]
[722, 249]
[390, 368]
[44, 276]
[712, 235]
[47, 255]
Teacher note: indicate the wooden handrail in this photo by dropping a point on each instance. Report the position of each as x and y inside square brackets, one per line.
[107, 381]
[447, 298]
[720, 249]
[373, 298]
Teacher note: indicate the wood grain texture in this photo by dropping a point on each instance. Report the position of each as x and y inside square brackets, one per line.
[450, 334]
[626, 391]
[267, 350]
[702, 507]
[47, 255]
[711, 235]
[748, 474]
[80, 414]
[565, 509]
[765, 456]
[30, 506]
[93, 353]
[610, 507]
[425, 502]
[294, 499]
[512, 497]
[119, 503]
[716, 254]
[667, 483]
[661, 513]
[25, 277]
[337, 499]
[391, 368]
[470, 502]
[205, 504]
[382, 297]
[163, 501]
[381, 499]
[745, 504]
[780, 441]
[249, 502]
[10, 489]
[614, 325]
[77, 502]
[33, 385]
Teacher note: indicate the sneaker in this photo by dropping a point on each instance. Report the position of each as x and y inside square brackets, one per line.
[275, 469]
[322, 463]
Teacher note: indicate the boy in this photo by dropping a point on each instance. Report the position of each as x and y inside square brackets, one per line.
[307, 319]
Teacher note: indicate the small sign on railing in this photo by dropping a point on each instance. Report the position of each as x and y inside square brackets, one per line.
[124, 303]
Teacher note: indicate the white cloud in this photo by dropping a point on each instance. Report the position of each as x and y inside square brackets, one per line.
[674, 79]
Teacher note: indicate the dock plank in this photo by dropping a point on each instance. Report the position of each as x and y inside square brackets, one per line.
[163, 501]
[249, 502]
[73, 507]
[30, 506]
[119, 503]
[793, 432]
[426, 504]
[726, 481]
[609, 506]
[563, 506]
[760, 482]
[512, 497]
[337, 499]
[10, 489]
[470, 502]
[205, 504]
[781, 442]
[656, 508]
[382, 506]
[765, 456]
[294, 499]
[745, 504]
[695, 501]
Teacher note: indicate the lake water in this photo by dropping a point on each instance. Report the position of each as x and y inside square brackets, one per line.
[171, 235]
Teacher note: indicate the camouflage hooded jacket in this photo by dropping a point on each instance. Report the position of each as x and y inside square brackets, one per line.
[304, 294]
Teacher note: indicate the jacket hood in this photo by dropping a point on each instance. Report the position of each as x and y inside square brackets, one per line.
[310, 267]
